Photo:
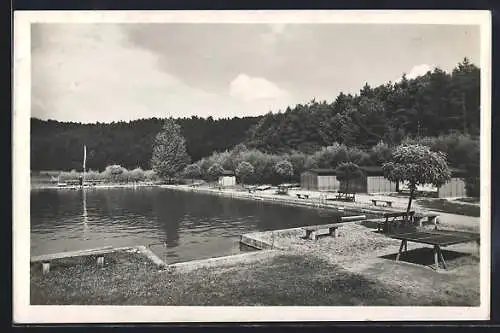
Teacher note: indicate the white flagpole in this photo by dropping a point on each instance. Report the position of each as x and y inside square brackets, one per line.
[84, 162]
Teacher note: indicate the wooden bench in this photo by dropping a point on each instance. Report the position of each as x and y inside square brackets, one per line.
[431, 218]
[47, 258]
[390, 219]
[312, 232]
[388, 203]
[282, 190]
[345, 196]
[302, 196]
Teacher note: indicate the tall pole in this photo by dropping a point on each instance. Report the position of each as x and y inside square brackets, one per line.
[84, 162]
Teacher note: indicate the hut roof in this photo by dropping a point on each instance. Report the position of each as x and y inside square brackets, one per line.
[228, 173]
[368, 170]
[323, 172]
[377, 171]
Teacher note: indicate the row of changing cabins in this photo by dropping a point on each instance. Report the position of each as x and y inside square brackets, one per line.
[372, 182]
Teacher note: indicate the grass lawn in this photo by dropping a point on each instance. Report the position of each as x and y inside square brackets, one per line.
[451, 207]
[469, 200]
[287, 279]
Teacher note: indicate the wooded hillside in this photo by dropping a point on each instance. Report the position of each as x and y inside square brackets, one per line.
[435, 104]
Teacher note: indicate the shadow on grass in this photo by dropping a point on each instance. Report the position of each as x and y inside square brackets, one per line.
[369, 224]
[447, 206]
[425, 256]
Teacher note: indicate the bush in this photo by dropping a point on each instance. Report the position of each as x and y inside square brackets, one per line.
[150, 176]
[68, 176]
[92, 175]
[244, 171]
[284, 169]
[137, 175]
[379, 154]
[192, 171]
[215, 171]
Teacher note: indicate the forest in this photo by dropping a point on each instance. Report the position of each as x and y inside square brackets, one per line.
[439, 108]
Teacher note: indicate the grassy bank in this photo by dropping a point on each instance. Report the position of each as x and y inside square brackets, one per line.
[446, 206]
[288, 279]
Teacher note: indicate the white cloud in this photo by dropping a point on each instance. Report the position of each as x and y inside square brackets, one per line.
[416, 71]
[247, 89]
[89, 73]
[419, 70]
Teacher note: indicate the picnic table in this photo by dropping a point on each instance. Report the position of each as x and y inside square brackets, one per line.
[437, 239]
[394, 219]
[345, 196]
[388, 203]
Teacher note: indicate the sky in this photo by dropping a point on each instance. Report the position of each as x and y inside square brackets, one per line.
[87, 72]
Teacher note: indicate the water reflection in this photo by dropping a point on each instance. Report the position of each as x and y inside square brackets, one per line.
[183, 225]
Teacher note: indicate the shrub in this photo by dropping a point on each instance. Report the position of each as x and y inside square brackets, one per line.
[244, 170]
[284, 169]
[137, 175]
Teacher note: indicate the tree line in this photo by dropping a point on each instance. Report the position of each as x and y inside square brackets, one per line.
[58, 145]
[439, 109]
[461, 152]
[433, 104]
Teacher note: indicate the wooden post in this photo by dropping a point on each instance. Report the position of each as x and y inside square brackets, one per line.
[100, 261]
[436, 259]
[400, 249]
[442, 257]
[45, 267]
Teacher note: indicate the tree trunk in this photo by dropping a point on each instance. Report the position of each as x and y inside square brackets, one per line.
[412, 192]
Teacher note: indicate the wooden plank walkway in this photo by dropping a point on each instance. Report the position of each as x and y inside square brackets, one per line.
[88, 252]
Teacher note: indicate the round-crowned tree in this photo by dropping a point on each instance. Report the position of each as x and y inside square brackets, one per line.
[417, 165]
[215, 171]
[284, 169]
[192, 171]
[244, 170]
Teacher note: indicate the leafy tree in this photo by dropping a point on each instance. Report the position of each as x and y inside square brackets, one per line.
[215, 171]
[114, 171]
[380, 153]
[137, 174]
[235, 156]
[192, 171]
[347, 173]
[169, 151]
[284, 169]
[417, 165]
[150, 175]
[244, 170]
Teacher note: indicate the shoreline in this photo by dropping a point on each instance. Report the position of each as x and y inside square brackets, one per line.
[268, 197]
[78, 187]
